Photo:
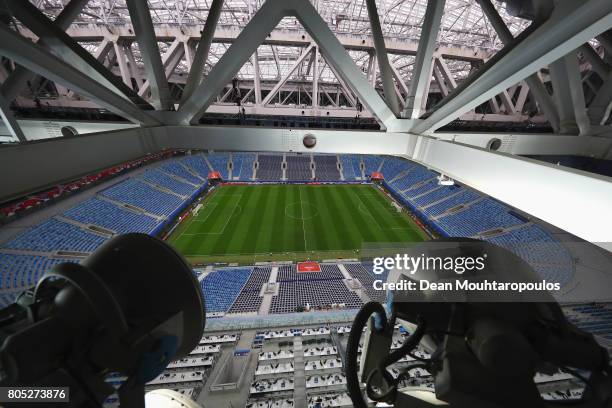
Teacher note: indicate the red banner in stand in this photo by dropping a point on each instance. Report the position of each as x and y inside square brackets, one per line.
[309, 266]
[377, 175]
[214, 175]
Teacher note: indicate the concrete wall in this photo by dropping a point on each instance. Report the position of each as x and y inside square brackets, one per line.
[573, 200]
[28, 167]
[48, 129]
[284, 140]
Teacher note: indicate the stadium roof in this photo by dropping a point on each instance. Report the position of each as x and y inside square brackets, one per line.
[463, 24]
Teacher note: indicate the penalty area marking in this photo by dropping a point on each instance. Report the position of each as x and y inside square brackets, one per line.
[362, 207]
[231, 215]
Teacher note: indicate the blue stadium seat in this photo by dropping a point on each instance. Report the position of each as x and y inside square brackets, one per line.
[175, 168]
[108, 215]
[197, 164]
[348, 168]
[482, 216]
[55, 235]
[161, 179]
[220, 288]
[326, 167]
[243, 165]
[298, 167]
[269, 167]
[142, 195]
[372, 163]
[219, 163]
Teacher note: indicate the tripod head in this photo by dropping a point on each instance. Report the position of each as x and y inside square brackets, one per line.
[131, 307]
[485, 346]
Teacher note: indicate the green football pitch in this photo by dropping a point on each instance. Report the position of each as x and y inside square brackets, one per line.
[251, 223]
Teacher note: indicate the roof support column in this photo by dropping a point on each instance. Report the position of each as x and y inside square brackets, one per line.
[382, 57]
[537, 88]
[20, 76]
[121, 60]
[32, 56]
[308, 51]
[199, 60]
[315, 78]
[421, 77]
[567, 29]
[9, 119]
[256, 78]
[568, 95]
[147, 42]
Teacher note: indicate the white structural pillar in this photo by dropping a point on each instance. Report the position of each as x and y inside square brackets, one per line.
[170, 60]
[149, 51]
[383, 59]
[256, 31]
[421, 74]
[315, 78]
[256, 78]
[253, 34]
[199, 60]
[19, 78]
[288, 75]
[66, 48]
[537, 88]
[36, 59]
[565, 30]
[9, 119]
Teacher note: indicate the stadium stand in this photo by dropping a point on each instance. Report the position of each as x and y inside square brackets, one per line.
[197, 164]
[23, 271]
[55, 235]
[392, 167]
[421, 188]
[316, 294]
[298, 167]
[219, 161]
[464, 197]
[243, 165]
[415, 175]
[452, 210]
[436, 194]
[161, 179]
[357, 271]
[481, 216]
[547, 256]
[596, 318]
[371, 163]
[269, 167]
[326, 167]
[176, 169]
[108, 215]
[248, 300]
[221, 288]
[143, 196]
[348, 169]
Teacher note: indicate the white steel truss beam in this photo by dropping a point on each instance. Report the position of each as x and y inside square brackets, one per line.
[147, 42]
[169, 61]
[421, 76]
[534, 82]
[19, 78]
[197, 67]
[308, 51]
[36, 59]
[9, 119]
[383, 59]
[55, 39]
[567, 29]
